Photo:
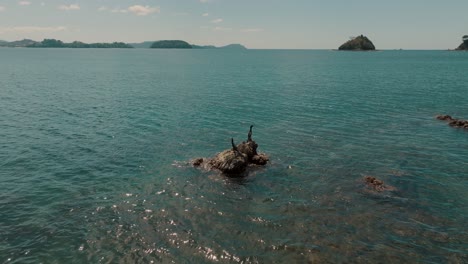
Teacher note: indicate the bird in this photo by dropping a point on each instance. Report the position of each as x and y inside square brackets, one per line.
[249, 136]
[233, 145]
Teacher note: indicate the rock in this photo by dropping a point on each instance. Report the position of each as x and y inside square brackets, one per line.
[444, 117]
[234, 161]
[260, 159]
[248, 148]
[230, 162]
[197, 162]
[360, 43]
[377, 185]
[453, 122]
[464, 45]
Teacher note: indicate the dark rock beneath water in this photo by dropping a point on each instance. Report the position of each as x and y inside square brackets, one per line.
[444, 117]
[377, 185]
[453, 122]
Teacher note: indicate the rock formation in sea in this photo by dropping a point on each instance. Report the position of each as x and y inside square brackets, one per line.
[233, 162]
[376, 185]
[464, 45]
[360, 43]
[453, 122]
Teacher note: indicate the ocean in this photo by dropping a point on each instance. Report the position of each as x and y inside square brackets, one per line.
[96, 144]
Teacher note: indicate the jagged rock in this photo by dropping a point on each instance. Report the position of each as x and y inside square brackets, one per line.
[248, 148]
[230, 162]
[360, 43]
[260, 159]
[234, 161]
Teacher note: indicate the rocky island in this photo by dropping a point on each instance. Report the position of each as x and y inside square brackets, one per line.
[171, 44]
[234, 162]
[360, 43]
[464, 45]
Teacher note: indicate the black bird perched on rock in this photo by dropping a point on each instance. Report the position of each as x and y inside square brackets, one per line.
[249, 136]
[233, 145]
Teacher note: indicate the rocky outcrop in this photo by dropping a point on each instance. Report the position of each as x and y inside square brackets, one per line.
[463, 46]
[230, 162]
[233, 162]
[453, 122]
[360, 43]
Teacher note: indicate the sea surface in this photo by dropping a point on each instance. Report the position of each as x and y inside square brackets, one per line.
[95, 147]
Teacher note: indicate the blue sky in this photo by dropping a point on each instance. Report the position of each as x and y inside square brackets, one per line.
[292, 24]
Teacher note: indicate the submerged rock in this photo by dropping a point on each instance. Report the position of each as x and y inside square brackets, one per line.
[377, 185]
[236, 160]
[444, 117]
[453, 122]
[360, 43]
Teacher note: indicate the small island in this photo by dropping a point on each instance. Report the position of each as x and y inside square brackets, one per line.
[171, 44]
[464, 45]
[360, 43]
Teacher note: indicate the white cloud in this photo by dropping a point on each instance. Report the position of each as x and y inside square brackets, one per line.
[24, 3]
[69, 7]
[216, 21]
[205, 14]
[221, 29]
[103, 8]
[250, 30]
[2, 8]
[31, 29]
[140, 10]
[117, 10]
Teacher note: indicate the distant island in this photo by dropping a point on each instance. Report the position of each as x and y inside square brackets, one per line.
[360, 43]
[171, 44]
[161, 44]
[464, 45]
[180, 44]
[54, 43]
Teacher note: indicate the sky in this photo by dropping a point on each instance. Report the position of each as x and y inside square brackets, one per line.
[261, 24]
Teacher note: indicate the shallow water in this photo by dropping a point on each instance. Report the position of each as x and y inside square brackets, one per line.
[95, 147]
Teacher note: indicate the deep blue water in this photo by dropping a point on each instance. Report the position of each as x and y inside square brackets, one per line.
[95, 144]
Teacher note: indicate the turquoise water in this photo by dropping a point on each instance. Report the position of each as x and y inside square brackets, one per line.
[94, 149]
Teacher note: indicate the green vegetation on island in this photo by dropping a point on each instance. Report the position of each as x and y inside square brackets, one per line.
[54, 43]
[162, 44]
[180, 44]
[360, 43]
[17, 44]
[171, 44]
